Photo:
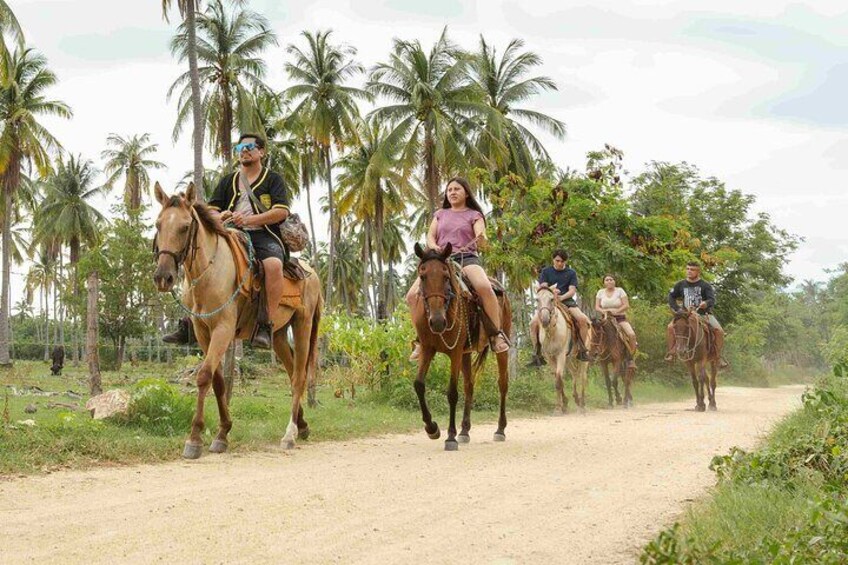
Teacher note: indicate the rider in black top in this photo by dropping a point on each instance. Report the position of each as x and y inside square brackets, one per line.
[697, 294]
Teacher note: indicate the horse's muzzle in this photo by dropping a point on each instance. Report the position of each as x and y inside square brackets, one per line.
[545, 318]
[437, 323]
[164, 278]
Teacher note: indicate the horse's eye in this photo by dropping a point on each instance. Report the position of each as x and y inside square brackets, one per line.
[183, 229]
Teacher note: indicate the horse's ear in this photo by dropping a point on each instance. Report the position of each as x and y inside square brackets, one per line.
[419, 251]
[446, 252]
[161, 197]
[190, 194]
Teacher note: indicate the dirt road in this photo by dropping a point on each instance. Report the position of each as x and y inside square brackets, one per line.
[575, 489]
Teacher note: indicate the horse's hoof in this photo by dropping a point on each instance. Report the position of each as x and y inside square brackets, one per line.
[463, 438]
[701, 408]
[218, 446]
[435, 435]
[713, 407]
[192, 450]
[499, 436]
[287, 444]
[451, 445]
[303, 434]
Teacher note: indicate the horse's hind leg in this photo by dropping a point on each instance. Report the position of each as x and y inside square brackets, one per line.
[701, 373]
[301, 330]
[694, 375]
[220, 443]
[629, 373]
[561, 398]
[430, 427]
[503, 388]
[468, 382]
[286, 356]
[218, 341]
[616, 374]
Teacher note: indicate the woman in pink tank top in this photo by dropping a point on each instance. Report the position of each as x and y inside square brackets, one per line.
[460, 222]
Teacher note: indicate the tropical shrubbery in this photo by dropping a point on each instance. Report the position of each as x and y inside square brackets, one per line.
[159, 408]
[784, 503]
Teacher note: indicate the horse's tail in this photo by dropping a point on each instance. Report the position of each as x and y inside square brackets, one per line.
[479, 362]
[312, 360]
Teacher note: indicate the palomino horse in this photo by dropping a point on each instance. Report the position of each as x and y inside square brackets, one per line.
[606, 346]
[447, 322]
[692, 344]
[187, 234]
[559, 348]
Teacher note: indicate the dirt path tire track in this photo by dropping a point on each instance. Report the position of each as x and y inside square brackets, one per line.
[573, 489]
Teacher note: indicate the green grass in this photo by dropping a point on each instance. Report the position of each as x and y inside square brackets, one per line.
[784, 503]
[63, 438]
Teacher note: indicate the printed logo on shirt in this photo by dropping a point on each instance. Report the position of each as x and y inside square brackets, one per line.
[691, 296]
[265, 199]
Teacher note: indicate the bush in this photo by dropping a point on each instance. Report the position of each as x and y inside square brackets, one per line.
[806, 456]
[159, 408]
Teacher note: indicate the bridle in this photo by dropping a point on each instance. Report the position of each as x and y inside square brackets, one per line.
[689, 353]
[448, 296]
[190, 248]
[552, 310]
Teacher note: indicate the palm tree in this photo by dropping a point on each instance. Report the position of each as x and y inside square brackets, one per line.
[68, 218]
[130, 157]
[503, 142]
[41, 276]
[327, 110]
[229, 48]
[431, 106]
[373, 188]
[9, 24]
[188, 12]
[24, 78]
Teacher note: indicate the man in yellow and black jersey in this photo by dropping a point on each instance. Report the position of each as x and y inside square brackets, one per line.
[260, 216]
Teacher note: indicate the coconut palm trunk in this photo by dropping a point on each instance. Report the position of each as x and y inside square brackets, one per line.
[92, 286]
[196, 103]
[5, 357]
[328, 162]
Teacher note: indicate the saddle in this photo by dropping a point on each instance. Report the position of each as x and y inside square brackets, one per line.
[621, 335]
[295, 273]
[479, 324]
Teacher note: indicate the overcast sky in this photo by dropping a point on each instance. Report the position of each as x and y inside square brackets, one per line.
[750, 92]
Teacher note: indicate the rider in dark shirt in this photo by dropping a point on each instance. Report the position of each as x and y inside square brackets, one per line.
[696, 294]
[564, 278]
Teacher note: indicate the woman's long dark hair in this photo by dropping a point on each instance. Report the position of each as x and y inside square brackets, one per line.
[470, 201]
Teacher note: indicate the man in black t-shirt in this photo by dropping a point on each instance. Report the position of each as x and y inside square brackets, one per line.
[260, 216]
[563, 278]
[696, 294]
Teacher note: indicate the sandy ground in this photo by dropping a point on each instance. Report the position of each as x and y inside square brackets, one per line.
[575, 489]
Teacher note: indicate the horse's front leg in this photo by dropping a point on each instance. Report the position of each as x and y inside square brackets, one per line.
[561, 398]
[629, 374]
[453, 397]
[607, 380]
[503, 388]
[225, 423]
[219, 340]
[468, 382]
[618, 373]
[713, 383]
[430, 427]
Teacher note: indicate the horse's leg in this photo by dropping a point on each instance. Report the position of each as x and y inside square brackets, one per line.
[453, 397]
[629, 374]
[285, 354]
[712, 384]
[219, 339]
[468, 381]
[430, 427]
[301, 331]
[561, 398]
[616, 375]
[220, 443]
[701, 375]
[607, 380]
[690, 366]
[503, 388]
[583, 371]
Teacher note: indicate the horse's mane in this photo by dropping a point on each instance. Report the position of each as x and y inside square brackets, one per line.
[204, 214]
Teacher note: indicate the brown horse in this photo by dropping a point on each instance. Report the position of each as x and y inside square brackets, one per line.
[693, 346]
[559, 348]
[188, 234]
[448, 322]
[605, 347]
